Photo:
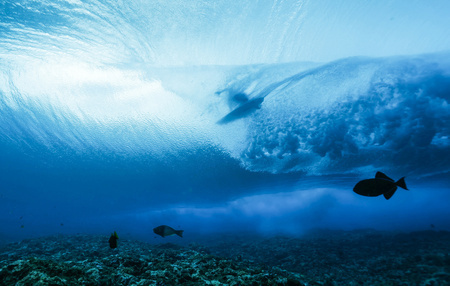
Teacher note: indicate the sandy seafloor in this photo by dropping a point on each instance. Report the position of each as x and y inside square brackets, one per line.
[321, 257]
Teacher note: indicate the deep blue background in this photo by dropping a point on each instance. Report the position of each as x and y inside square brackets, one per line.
[109, 115]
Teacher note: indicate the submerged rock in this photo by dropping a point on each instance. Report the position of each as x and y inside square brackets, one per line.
[134, 263]
[329, 258]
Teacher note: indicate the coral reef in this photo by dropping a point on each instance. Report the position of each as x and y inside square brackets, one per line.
[364, 257]
[88, 260]
[361, 257]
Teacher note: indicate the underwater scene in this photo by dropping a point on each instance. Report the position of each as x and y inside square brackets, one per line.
[261, 142]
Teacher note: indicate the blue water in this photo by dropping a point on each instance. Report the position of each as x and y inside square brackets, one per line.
[113, 116]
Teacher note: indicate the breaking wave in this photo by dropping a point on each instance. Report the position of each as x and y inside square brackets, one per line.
[132, 92]
[390, 113]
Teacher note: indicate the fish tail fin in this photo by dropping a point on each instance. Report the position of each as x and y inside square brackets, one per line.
[401, 183]
[179, 233]
[389, 194]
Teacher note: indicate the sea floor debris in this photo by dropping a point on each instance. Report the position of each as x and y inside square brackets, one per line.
[363, 257]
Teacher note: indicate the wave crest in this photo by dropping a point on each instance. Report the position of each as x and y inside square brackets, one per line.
[401, 121]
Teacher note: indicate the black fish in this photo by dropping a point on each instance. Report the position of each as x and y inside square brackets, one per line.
[381, 185]
[165, 230]
[113, 240]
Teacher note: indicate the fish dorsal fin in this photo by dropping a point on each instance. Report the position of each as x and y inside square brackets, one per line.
[389, 194]
[380, 175]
